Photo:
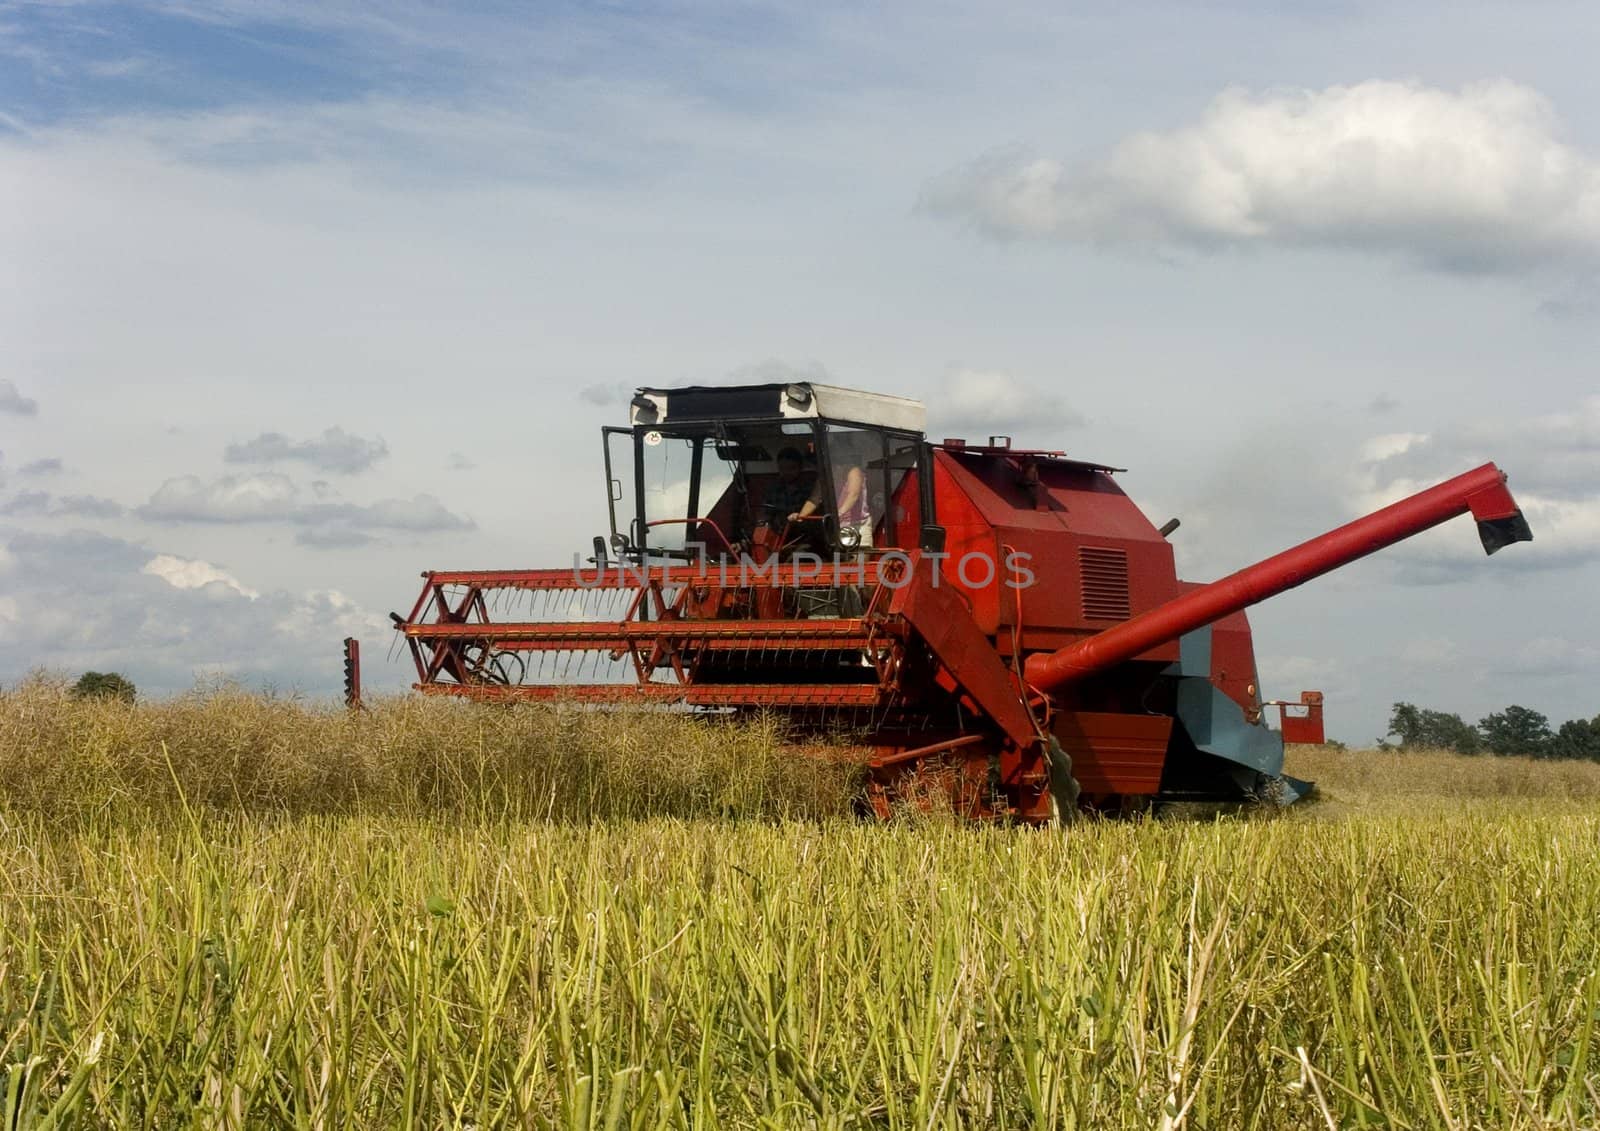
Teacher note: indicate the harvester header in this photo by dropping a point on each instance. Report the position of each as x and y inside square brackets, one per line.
[998, 626]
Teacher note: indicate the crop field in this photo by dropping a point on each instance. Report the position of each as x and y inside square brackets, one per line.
[227, 911]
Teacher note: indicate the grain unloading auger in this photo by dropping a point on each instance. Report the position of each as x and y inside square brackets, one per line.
[999, 626]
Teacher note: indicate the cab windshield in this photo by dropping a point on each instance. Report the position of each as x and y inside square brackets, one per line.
[703, 489]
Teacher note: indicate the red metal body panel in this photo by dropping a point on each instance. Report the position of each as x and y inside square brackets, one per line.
[1302, 721]
[966, 532]
[900, 526]
[1055, 529]
[1115, 754]
[940, 617]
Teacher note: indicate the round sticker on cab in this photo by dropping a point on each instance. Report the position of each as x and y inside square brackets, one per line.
[652, 438]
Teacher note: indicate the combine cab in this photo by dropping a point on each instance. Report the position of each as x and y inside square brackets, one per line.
[1002, 627]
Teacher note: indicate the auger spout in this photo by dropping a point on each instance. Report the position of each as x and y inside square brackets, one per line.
[1482, 492]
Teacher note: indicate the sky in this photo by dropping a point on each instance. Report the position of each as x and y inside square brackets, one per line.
[299, 300]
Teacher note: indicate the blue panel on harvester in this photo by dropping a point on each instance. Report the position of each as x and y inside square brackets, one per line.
[1194, 654]
[1216, 725]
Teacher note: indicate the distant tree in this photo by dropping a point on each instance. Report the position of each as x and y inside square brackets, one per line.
[1578, 738]
[1516, 730]
[1421, 729]
[104, 685]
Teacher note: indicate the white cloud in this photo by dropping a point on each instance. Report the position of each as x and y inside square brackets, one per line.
[231, 498]
[162, 619]
[1429, 652]
[190, 573]
[322, 615]
[51, 466]
[87, 506]
[1285, 676]
[271, 497]
[335, 451]
[1555, 455]
[14, 402]
[333, 536]
[976, 403]
[1551, 656]
[420, 513]
[27, 503]
[1380, 448]
[42, 504]
[1568, 529]
[1477, 179]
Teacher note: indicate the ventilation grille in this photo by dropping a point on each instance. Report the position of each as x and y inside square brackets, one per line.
[1105, 583]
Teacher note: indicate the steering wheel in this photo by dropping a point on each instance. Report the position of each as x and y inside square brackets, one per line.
[785, 543]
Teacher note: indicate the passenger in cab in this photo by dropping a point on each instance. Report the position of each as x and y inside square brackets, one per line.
[855, 522]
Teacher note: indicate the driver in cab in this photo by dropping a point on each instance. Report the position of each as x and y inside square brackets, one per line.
[788, 499]
[794, 495]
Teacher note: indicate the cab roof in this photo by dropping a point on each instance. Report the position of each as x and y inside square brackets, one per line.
[799, 400]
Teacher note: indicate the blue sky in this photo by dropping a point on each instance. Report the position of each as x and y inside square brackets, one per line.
[75, 62]
[1280, 261]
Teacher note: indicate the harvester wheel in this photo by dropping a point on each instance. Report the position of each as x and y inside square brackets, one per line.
[1064, 788]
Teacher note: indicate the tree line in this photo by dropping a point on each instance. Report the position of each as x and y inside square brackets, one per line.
[1515, 730]
[105, 685]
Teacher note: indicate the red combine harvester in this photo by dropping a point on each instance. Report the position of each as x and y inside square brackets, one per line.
[1001, 626]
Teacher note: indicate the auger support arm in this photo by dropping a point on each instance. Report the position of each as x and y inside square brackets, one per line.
[1481, 492]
